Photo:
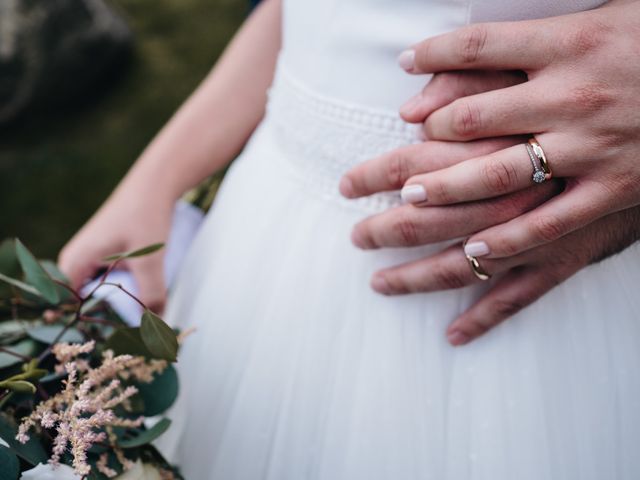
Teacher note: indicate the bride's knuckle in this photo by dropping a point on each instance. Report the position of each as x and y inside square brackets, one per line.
[499, 176]
[466, 119]
[407, 231]
[398, 169]
[471, 44]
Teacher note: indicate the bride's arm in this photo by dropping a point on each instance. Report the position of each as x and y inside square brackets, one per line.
[215, 122]
[202, 137]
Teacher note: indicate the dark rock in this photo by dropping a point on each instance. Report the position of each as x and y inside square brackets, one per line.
[56, 52]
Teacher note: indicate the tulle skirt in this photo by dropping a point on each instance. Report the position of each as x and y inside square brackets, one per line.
[298, 370]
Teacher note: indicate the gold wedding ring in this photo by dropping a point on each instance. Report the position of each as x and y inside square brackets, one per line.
[476, 268]
[542, 158]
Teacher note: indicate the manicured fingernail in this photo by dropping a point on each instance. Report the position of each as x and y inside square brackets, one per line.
[380, 285]
[458, 338]
[411, 105]
[346, 187]
[413, 194]
[476, 249]
[407, 59]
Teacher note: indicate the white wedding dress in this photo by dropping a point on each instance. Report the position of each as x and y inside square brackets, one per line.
[299, 371]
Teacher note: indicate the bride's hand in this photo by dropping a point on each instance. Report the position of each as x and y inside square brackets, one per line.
[130, 219]
[582, 102]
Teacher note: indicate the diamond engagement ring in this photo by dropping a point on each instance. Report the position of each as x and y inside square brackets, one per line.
[539, 159]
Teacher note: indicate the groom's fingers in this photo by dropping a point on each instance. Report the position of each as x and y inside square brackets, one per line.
[391, 170]
[525, 45]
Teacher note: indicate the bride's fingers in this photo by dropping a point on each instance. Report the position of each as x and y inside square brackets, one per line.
[507, 111]
[391, 170]
[410, 226]
[488, 176]
[446, 270]
[446, 87]
[514, 291]
[579, 205]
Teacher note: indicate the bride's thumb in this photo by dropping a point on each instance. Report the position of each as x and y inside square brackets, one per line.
[149, 275]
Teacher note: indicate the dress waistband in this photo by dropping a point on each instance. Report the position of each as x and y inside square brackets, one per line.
[322, 137]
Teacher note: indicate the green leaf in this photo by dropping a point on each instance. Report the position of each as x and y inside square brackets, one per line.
[146, 436]
[35, 275]
[25, 348]
[135, 253]
[9, 464]
[160, 394]
[48, 334]
[19, 386]
[54, 272]
[32, 451]
[159, 338]
[127, 341]
[13, 330]
[21, 285]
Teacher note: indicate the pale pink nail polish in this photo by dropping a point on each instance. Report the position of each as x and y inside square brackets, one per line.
[458, 338]
[407, 59]
[413, 193]
[476, 249]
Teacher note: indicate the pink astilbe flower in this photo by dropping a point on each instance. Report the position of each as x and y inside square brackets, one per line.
[82, 413]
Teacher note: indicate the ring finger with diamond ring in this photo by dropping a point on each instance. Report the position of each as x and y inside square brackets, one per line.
[488, 176]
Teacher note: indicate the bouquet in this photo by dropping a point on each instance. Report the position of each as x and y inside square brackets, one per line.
[81, 391]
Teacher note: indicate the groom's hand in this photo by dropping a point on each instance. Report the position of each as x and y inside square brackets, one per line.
[581, 101]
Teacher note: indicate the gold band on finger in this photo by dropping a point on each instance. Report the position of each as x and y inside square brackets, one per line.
[542, 158]
[476, 268]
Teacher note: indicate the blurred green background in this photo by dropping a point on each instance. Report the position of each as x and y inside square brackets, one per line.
[55, 170]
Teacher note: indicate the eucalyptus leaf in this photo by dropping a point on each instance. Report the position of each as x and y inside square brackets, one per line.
[48, 334]
[127, 341]
[54, 272]
[9, 464]
[159, 338]
[160, 394]
[13, 330]
[32, 452]
[36, 275]
[8, 261]
[21, 285]
[146, 436]
[25, 348]
[135, 253]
